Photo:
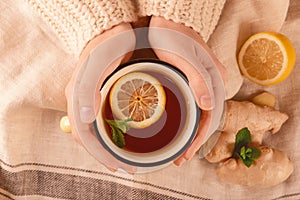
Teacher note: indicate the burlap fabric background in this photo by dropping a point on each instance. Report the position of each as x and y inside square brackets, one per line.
[38, 161]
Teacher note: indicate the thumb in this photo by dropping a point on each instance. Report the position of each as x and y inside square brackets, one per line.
[89, 99]
[89, 102]
[199, 79]
[201, 86]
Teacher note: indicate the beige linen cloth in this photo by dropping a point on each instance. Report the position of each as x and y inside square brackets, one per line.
[39, 161]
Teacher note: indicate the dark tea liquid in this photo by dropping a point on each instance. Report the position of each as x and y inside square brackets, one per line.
[162, 132]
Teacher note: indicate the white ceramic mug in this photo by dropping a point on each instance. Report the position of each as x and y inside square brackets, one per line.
[150, 161]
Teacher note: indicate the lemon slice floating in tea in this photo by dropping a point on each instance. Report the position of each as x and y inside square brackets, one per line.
[138, 96]
[267, 58]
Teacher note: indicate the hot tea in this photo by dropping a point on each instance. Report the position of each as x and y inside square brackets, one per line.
[147, 137]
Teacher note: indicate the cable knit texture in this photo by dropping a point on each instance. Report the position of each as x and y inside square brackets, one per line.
[201, 15]
[78, 21]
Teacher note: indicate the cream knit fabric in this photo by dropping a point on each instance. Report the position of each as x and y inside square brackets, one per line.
[201, 15]
[78, 21]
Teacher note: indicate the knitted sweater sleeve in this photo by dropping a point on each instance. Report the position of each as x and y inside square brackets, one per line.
[76, 22]
[200, 15]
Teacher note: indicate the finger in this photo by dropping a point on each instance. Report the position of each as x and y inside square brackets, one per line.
[111, 169]
[86, 102]
[69, 96]
[197, 142]
[205, 121]
[202, 89]
[199, 82]
[179, 161]
[110, 69]
[103, 60]
[88, 91]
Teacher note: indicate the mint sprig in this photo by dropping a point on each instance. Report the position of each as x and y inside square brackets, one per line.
[242, 150]
[119, 128]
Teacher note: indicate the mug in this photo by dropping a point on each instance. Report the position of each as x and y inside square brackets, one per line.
[174, 81]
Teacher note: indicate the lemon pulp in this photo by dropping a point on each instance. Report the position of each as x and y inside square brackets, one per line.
[267, 58]
[138, 96]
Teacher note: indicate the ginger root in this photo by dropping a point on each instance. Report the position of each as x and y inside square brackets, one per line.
[271, 168]
[258, 119]
[265, 99]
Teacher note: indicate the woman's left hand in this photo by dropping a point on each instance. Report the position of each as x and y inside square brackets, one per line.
[184, 48]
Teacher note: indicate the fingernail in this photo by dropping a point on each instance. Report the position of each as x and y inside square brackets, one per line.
[86, 114]
[179, 161]
[207, 102]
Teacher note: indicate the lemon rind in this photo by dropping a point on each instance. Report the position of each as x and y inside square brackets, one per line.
[161, 98]
[284, 45]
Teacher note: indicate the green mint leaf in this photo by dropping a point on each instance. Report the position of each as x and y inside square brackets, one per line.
[118, 127]
[119, 124]
[118, 137]
[123, 125]
[242, 150]
[255, 152]
[248, 154]
[248, 151]
[114, 135]
[248, 161]
[121, 140]
[243, 136]
[243, 153]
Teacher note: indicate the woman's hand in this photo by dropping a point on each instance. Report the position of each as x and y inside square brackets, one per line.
[184, 48]
[87, 94]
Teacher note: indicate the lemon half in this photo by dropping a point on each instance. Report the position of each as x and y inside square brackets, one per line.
[267, 58]
[138, 96]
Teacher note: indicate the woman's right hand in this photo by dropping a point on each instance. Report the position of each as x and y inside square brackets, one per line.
[87, 96]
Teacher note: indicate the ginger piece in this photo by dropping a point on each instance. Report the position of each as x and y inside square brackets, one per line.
[264, 99]
[271, 168]
[256, 118]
